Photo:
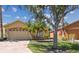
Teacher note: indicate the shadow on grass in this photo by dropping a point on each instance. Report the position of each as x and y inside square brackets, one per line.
[46, 47]
[39, 48]
[66, 45]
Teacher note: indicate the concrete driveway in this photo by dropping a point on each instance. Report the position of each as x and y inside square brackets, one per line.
[14, 47]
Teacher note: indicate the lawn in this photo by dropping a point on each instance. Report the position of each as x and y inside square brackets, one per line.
[43, 47]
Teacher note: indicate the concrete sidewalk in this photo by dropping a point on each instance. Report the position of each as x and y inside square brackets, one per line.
[14, 47]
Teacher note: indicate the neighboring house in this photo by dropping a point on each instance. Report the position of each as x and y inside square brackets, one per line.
[70, 31]
[17, 31]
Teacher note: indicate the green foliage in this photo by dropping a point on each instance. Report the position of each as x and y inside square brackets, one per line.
[31, 26]
[46, 35]
[37, 27]
[69, 46]
[64, 45]
[64, 39]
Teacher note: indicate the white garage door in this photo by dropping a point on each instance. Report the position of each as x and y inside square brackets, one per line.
[18, 35]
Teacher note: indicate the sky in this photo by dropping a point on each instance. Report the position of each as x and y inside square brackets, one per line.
[72, 16]
[13, 13]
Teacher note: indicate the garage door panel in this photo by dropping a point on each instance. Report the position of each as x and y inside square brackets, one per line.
[18, 35]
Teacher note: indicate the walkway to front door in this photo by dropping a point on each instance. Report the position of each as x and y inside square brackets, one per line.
[14, 47]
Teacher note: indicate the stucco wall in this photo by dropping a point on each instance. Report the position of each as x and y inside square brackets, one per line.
[4, 34]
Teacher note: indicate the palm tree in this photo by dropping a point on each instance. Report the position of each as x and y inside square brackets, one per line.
[40, 27]
[37, 11]
[31, 28]
[1, 23]
[35, 28]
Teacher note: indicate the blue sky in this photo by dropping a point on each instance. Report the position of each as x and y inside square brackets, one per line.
[12, 13]
[72, 16]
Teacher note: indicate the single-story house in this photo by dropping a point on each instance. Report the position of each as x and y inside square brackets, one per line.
[16, 30]
[70, 31]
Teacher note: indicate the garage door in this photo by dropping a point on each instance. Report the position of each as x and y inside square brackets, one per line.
[19, 35]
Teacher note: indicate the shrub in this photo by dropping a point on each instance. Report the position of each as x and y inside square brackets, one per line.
[64, 39]
[64, 45]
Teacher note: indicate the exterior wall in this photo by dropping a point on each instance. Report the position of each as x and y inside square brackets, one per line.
[4, 34]
[51, 35]
[73, 30]
[74, 34]
[66, 36]
[61, 35]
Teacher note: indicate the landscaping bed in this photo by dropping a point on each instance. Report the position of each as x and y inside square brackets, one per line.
[45, 47]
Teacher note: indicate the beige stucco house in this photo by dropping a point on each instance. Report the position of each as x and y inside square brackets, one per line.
[16, 30]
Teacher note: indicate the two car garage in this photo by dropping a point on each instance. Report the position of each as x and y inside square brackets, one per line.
[17, 31]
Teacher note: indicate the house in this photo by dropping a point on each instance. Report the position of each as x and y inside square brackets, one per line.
[16, 30]
[70, 31]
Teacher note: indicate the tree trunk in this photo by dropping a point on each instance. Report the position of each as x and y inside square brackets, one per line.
[33, 36]
[38, 37]
[1, 25]
[55, 40]
[62, 28]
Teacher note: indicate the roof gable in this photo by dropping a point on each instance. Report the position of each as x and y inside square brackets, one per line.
[74, 25]
[15, 24]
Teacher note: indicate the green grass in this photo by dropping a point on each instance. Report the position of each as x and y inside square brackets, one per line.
[42, 47]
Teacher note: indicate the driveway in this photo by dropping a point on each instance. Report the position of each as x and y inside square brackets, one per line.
[14, 47]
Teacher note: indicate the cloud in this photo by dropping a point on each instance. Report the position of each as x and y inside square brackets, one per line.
[33, 19]
[47, 15]
[17, 17]
[65, 17]
[6, 15]
[25, 17]
[3, 10]
[71, 12]
[14, 9]
[4, 23]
